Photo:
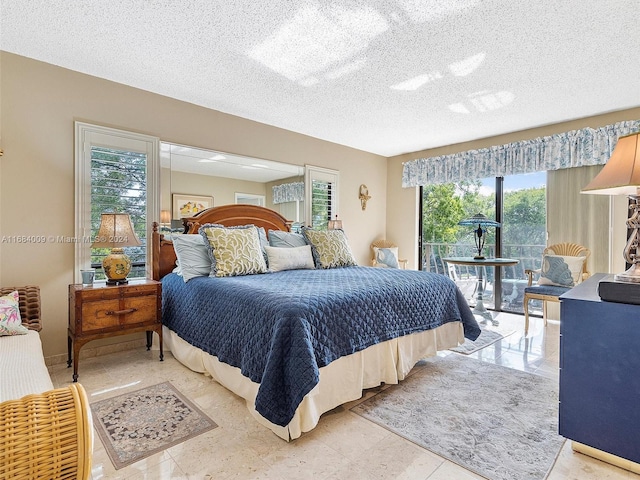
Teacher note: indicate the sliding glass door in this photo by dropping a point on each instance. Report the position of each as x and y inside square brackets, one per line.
[518, 202]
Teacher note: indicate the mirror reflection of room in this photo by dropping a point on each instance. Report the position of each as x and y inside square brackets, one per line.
[221, 178]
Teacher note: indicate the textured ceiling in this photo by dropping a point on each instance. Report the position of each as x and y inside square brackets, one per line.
[386, 76]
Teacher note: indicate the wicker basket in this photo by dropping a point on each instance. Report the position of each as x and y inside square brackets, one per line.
[47, 435]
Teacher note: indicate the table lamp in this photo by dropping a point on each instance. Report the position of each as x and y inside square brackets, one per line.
[335, 224]
[621, 176]
[165, 217]
[479, 233]
[115, 232]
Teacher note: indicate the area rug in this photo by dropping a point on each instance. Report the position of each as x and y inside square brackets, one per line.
[486, 337]
[497, 422]
[138, 424]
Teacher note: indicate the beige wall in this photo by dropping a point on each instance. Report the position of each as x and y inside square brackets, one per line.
[223, 190]
[40, 103]
[402, 204]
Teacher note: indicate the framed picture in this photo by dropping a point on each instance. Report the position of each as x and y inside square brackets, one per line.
[185, 205]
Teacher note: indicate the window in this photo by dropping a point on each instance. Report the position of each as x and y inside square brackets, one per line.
[517, 201]
[116, 171]
[322, 196]
[250, 199]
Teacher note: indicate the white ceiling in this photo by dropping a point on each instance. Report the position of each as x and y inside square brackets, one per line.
[384, 76]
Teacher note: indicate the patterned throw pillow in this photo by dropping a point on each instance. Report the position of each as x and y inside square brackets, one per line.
[562, 271]
[386, 257]
[295, 258]
[236, 250]
[10, 321]
[330, 248]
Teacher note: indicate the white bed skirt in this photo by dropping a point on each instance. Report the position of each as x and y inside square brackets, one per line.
[341, 381]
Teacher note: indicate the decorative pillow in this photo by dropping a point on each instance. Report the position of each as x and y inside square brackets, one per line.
[236, 250]
[561, 270]
[386, 257]
[330, 248]
[10, 321]
[279, 238]
[193, 256]
[264, 241]
[294, 258]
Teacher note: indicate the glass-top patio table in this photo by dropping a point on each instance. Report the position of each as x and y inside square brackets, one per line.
[480, 309]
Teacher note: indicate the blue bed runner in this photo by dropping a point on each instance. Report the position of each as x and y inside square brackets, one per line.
[280, 328]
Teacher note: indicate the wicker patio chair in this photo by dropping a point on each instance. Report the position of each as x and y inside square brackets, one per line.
[551, 293]
[46, 435]
[384, 244]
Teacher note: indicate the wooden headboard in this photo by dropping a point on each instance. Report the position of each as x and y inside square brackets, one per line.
[164, 256]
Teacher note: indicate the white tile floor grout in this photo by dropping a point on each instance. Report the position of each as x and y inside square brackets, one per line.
[343, 445]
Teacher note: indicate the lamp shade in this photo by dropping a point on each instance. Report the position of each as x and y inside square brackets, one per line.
[165, 216]
[116, 230]
[335, 224]
[482, 223]
[621, 174]
[479, 219]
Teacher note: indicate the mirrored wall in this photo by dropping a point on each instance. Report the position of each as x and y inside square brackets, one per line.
[193, 179]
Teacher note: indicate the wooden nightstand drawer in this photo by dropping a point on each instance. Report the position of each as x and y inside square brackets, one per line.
[114, 313]
[140, 310]
[102, 311]
[98, 316]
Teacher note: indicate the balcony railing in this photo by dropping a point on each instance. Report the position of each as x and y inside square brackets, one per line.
[513, 278]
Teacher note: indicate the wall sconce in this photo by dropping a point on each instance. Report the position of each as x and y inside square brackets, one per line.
[364, 196]
[116, 231]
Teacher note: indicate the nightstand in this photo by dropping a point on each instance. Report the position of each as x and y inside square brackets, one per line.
[102, 311]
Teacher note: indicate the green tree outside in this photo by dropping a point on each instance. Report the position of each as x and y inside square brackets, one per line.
[444, 205]
[119, 185]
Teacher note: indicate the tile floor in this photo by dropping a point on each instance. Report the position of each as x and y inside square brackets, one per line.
[343, 445]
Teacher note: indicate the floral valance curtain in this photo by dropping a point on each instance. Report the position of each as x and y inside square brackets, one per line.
[576, 148]
[288, 192]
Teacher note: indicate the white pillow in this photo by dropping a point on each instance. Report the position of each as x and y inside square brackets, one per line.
[289, 258]
[193, 255]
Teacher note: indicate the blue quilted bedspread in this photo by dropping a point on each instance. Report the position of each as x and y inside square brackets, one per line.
[280, 328]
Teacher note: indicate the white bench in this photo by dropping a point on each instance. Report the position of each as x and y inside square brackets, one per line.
[44, 432]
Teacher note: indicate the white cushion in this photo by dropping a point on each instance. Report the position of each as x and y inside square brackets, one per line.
[289, 258]
[23, 368]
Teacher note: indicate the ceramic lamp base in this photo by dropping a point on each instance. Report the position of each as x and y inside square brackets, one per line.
[117, 266]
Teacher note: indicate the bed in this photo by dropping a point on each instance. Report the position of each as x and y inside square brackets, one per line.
[297, 343]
